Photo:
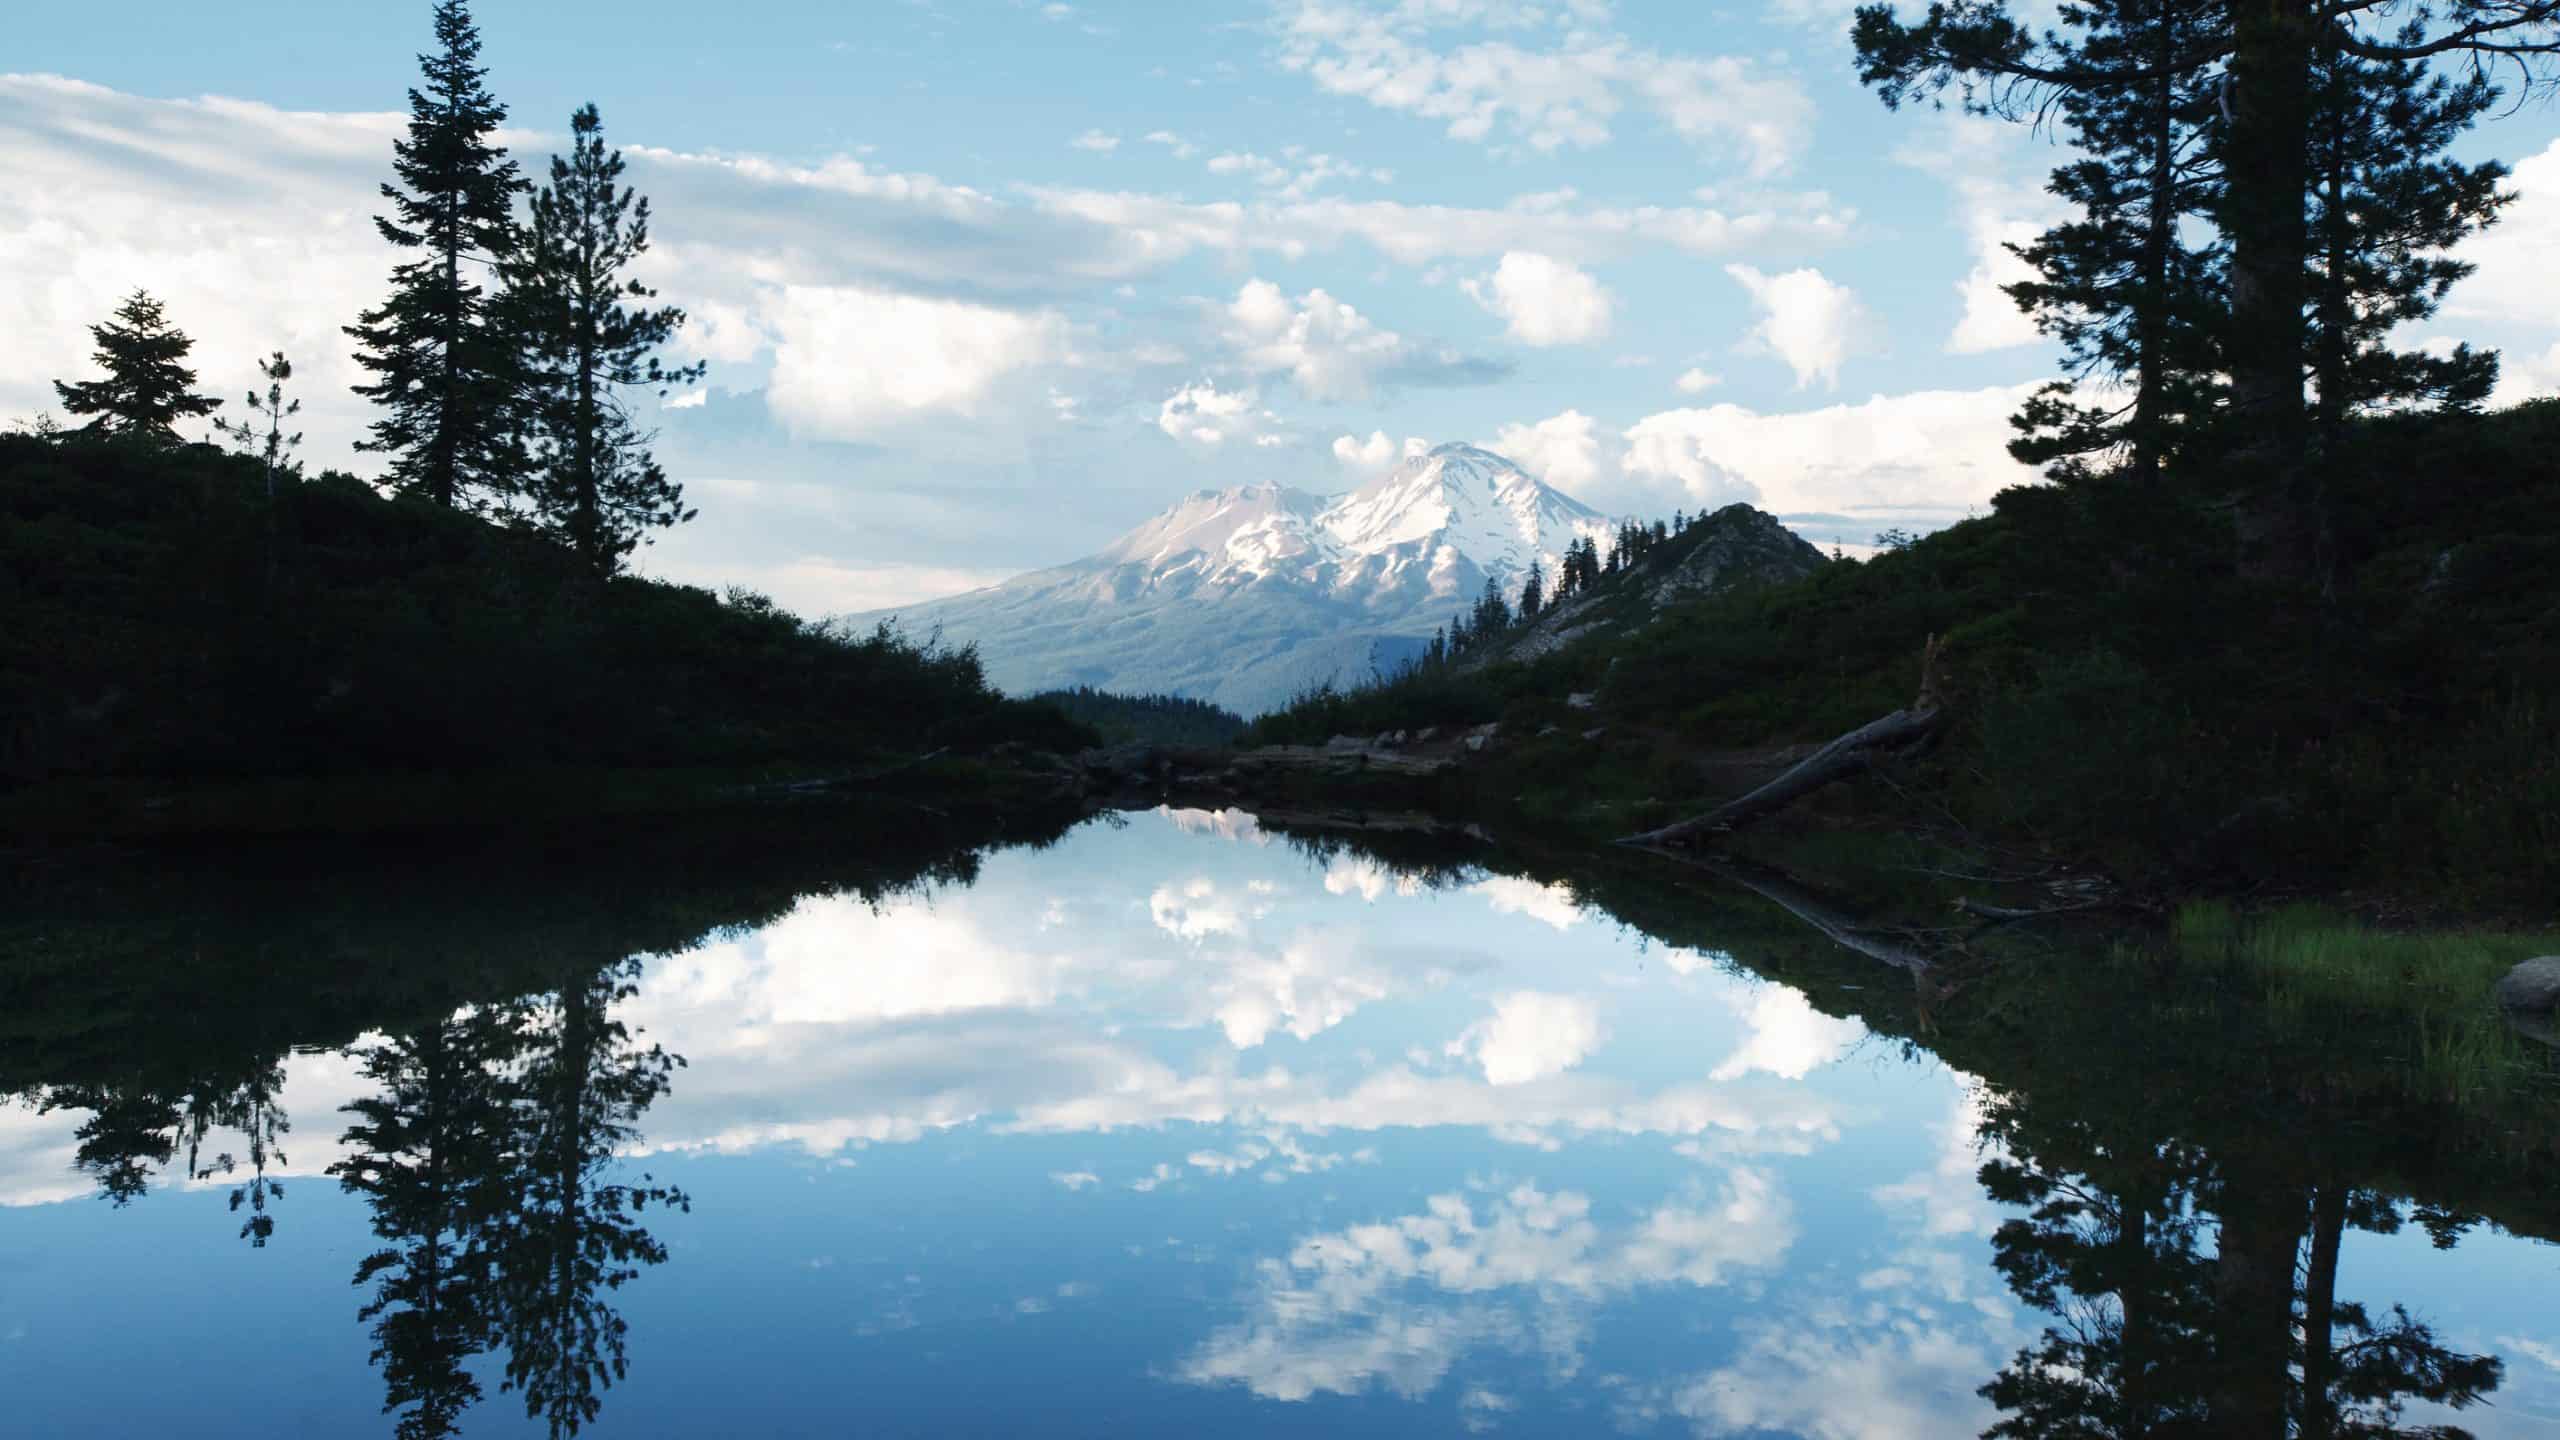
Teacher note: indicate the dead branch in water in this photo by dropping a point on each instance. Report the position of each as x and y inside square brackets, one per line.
[1816, 912]
[1966, 904]
[1901, 731]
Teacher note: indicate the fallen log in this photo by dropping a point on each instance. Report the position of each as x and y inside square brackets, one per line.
[1814, 910]
[1902, 730]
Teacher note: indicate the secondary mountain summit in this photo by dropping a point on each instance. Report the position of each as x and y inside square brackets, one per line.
[1244, 596]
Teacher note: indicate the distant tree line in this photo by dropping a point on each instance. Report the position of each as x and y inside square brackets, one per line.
[1158, 719]
[503, 357]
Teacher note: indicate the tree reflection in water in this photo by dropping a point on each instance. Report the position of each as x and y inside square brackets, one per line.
[568, 1235]
[485, 1160]
[485, 1155]
[2154, 1334]
[429, 1155]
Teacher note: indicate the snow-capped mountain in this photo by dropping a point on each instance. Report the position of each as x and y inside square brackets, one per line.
[1245, 596]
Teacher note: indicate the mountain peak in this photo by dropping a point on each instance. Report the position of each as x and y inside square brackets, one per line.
[1463, 497]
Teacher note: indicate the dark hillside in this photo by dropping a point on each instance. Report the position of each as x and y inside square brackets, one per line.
[2119, 688]
[165, 619]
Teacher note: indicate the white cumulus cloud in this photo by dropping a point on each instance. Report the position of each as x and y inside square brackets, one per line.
[1325, 346]
[1806, 320]
[1206, 416]
[1565, 95]
[1789, 1038]
[1531, 1035]
[1921, 459]
[1563, 450]
[1543, 300]
[1376, 453]
[849, 361]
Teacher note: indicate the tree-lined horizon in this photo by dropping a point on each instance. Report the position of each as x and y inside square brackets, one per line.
[501, 351]
[2264, 196]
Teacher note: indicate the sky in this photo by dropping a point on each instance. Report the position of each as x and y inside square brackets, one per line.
[984, 283]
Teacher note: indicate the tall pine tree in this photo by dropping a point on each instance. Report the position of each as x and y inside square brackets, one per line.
[2264, 61]
[589, 338]
[148, 388]
[444, 375]
[2134, 303]
[2386, 207]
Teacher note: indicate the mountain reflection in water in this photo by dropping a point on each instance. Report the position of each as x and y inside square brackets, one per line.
[1175, 1122]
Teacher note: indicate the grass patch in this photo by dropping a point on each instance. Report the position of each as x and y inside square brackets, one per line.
[2427, 999]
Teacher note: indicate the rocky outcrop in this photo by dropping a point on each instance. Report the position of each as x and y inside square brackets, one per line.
[1734, 548]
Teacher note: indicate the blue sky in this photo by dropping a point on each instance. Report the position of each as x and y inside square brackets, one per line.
[984, 284]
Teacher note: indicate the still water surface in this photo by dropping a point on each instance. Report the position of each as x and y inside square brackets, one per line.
[1167, 1128]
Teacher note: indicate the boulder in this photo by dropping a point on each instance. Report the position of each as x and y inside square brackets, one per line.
[1343, 742]
[1426, 734]
[2533, 986]
[1582, 700]
[1476, 743]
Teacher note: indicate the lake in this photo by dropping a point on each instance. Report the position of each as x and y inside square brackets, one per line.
[1171, 1124]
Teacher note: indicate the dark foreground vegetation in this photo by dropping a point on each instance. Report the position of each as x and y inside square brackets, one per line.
[170, 621]
[464, 633]
[2117, 687]
[2286, 610]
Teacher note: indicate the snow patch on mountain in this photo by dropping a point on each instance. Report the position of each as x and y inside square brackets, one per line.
[1243, 596]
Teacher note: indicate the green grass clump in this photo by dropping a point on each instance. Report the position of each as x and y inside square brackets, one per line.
[2427, 998]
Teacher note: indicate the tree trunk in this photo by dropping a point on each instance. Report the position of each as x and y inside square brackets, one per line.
[2319, 1314]
[2265, 175]
[442, 484]
[2133, 1265]
[2262, 1223]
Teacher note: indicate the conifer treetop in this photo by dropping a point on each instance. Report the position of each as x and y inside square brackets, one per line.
[148, 388]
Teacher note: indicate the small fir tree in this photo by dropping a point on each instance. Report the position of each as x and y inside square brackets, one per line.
[148, 388]
[271, 446]
[444, 376]
[1493, 613]
[589, 339]
[1533, 594]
